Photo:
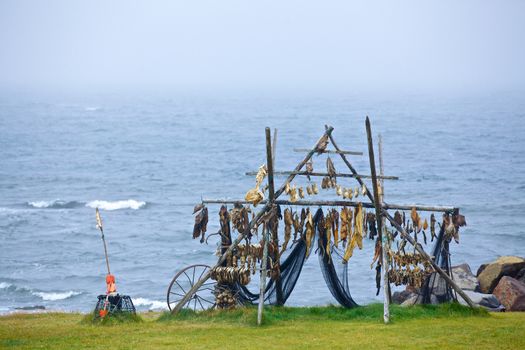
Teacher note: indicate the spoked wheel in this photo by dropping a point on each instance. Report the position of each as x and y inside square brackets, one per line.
[183, 281]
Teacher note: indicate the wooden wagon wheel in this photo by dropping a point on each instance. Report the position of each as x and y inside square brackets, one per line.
[183, 281]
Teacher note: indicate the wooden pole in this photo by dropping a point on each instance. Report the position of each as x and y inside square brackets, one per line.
[262, 283]
[384, 241]
[341, 203]
[377, 204]
[321, 174]
[255, 220]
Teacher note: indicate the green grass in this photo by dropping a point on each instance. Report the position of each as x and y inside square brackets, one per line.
[448, 326]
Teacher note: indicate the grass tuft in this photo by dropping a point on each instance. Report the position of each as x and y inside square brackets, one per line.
[370, 313]
[112, 319]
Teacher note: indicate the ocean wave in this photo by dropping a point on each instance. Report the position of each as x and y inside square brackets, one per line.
[5, 285]
[55, 204]
[153, 304]
[115, 205]
[53, 296]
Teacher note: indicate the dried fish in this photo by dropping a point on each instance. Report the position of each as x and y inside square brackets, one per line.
[309, 169]
[288, 222]
[335, 226]
[432, 227]
[309, 190]
[398, 219]
[339, 190]
[315, 190]
[309, 231]
[201, 222]
[330, 169]
[328, 232]
[301, 192]
[323, 142]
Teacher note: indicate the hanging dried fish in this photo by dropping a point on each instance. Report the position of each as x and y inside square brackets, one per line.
[254, 196]
[356, 192]
[371, 221]
[377, 252]
[330, 169]
[363, 190]
[296, 226]
[201, 222]
[323, 142]
[309, 169]
[288, 222]
[335, 226]
[328, 232]
[310, 233]
[432, 227]
[309, 190]
[315, 190]
[198, 207]
[224, 219]
[339, 190]
[398, 219]
[301, 192]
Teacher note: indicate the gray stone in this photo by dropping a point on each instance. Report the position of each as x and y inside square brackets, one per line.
[464, 277]
[410, 301]
[488, 301]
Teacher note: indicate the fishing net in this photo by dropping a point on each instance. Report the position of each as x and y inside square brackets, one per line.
[435, 289]
[335, 273]
[117, 303]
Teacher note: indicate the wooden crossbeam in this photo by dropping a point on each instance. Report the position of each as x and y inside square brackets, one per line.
[317, 174]
[355, 153]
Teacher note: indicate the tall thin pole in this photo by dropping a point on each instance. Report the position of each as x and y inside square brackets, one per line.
[101, 228]
[377, 204]
[271, 199]
[384, 241]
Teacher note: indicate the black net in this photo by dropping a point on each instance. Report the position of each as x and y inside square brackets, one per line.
[291, 268]
[335, 273]
[115, 304]
[437, 290]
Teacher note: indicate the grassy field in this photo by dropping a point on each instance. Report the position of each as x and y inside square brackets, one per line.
[422, 327]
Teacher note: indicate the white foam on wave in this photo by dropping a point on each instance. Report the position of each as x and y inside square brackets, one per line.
[115, 205]
[153, 304]
[41, 204]
[53, 296]
[5, 285]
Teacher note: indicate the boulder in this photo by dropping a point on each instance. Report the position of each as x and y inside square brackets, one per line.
[481, 268]
[410, 301]
[511, 293]
[503, 266]
[400, 297]
[488, 301]
[520, 276]
[464, 277]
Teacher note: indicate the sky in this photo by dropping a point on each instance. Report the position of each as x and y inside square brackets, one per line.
[325, 45]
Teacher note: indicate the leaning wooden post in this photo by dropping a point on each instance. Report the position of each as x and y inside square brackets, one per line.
[271, 199]
[254, 221]
[427, 257]
[384, 239]
[377, 204]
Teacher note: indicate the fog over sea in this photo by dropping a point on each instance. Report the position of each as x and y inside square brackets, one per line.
[146, 160]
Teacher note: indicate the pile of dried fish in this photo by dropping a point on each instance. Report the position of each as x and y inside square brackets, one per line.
[231, 275]
[225, 299]
[408, 269]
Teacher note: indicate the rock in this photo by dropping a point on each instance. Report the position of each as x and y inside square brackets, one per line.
[511, 293]
[520, 276]
[464, 277]
[481, 268]
[410, 301]
[503, 266]
[400, 297]
[488, 301]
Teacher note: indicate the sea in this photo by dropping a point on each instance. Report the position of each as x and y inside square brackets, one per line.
[145, 160]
